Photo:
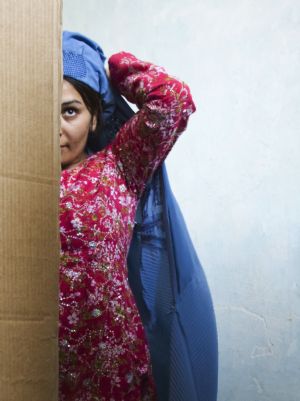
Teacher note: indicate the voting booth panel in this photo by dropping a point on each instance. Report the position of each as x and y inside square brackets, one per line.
[30, 81]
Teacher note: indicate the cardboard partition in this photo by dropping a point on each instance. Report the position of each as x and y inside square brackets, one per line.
[30, 76]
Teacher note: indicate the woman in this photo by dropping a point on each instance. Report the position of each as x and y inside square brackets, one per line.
[103, 349]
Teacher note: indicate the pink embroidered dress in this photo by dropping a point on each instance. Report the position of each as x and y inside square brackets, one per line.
[103, 350]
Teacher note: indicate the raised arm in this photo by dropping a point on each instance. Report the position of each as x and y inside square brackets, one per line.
[164, 103]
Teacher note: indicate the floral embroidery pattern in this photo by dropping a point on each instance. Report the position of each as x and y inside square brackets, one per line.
[103, 350]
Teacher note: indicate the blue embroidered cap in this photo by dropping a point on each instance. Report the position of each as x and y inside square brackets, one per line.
[83, 60]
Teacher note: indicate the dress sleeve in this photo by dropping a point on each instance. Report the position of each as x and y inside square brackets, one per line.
[164, 103]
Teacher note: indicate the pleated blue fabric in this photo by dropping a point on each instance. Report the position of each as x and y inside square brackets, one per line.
[173, 297]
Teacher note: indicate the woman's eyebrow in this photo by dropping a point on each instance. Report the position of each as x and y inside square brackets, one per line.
[70, 102]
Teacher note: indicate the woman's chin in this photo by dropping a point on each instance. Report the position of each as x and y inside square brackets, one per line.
[68, 160]
[64, 157]
[64, 163]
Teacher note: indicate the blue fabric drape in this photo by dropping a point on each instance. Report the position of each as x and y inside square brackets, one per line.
[173, 298]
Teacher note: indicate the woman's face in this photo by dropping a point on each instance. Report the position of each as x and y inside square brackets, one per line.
[76, 123]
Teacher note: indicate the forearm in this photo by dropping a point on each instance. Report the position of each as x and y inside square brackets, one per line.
[165, 104]
[146, 84]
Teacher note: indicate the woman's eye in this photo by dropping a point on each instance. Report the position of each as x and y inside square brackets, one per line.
[69, 112]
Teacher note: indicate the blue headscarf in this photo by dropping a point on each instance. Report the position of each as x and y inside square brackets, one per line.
[83, 59]
[164, 272]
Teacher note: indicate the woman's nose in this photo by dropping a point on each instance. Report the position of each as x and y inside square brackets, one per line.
[61, 127]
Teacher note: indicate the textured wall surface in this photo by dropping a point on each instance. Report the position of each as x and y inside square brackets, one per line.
[236, 172]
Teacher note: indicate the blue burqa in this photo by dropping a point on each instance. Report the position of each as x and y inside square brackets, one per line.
[165, 274]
